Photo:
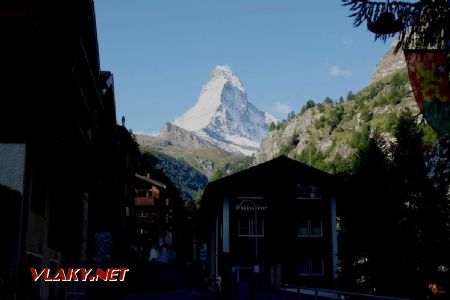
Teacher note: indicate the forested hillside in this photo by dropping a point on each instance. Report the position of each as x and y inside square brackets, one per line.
[188, 179]
[327, 134]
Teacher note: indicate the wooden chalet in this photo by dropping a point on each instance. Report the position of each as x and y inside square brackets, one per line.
[272, 224]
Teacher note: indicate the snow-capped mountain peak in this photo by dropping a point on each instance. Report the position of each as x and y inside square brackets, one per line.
[224, 72]
[224, 116]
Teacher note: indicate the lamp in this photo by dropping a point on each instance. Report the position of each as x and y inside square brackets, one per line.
[421, 24]
[386, 23]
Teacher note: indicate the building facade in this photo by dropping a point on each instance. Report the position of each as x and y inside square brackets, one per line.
[272, 224]
[58, 145]
[151, 225]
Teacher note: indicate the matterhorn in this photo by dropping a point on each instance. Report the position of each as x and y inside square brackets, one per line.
[224, 116]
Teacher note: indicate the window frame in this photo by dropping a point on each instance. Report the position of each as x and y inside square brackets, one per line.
[306, 190]
[251, 227]
[310, 267]
[309, 221]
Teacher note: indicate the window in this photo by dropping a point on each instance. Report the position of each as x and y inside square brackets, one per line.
[309, 227]
[251, 216]
[303, 227]
[314, 192]
[315, 228]
[246, 225]
[307, 191]
[311, 266]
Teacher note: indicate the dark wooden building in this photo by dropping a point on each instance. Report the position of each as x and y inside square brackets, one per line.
[58, 145]
[274, 223]
[151, 224]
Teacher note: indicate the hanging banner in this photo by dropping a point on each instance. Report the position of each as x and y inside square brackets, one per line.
[428, 74]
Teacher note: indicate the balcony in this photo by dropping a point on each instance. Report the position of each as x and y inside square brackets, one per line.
[148, 218]
[144, 201]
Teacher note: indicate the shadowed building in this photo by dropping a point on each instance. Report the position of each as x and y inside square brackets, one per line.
[151, 225]
[58, 144]
[273, 223]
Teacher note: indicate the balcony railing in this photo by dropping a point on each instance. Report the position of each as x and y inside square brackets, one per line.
[151, 218]
[332, 294]
[144, 201]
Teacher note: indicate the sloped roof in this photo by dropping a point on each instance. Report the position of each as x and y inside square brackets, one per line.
[152, 181]
[281, 166]
[273, 176]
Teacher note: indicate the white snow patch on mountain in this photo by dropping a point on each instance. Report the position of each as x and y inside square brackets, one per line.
[224, 116]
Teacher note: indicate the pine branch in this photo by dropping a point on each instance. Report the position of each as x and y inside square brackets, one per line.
[426, 22]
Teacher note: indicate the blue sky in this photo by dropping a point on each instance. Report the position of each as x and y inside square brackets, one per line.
[285, 52]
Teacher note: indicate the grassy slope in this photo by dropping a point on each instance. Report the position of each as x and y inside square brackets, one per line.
[376, 107]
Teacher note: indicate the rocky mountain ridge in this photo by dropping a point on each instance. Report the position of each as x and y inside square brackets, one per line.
[173, 136]
[390, 63]
[185, 145]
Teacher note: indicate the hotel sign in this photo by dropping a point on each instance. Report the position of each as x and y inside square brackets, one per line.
[249, 205]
